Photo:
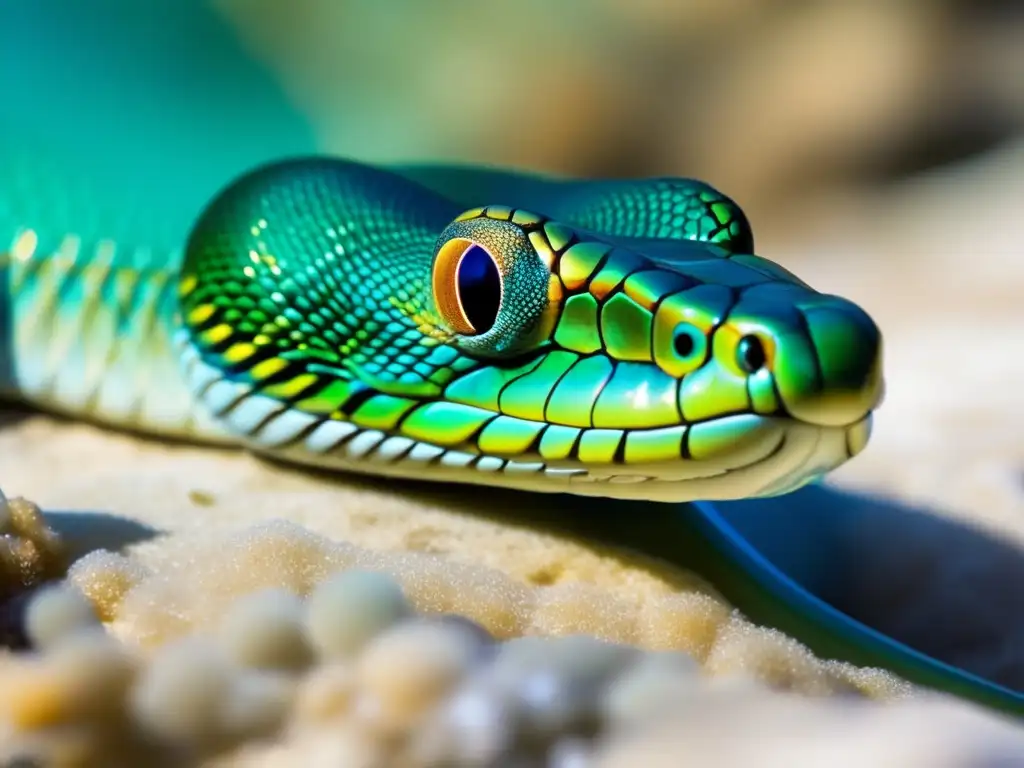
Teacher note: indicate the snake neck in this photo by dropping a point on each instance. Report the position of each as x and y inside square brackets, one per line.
[86, 329]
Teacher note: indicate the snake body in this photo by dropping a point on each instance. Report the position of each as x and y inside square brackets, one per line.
[613, 339]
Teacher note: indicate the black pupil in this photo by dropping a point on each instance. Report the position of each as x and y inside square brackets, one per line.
[479, 286]
[750, 354]
[684, 343]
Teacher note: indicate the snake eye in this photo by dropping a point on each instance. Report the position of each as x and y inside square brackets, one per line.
[480, 261]
[478, 286]
[467, 287]
[750, 354]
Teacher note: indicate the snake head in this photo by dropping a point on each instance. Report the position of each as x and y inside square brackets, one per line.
[666, 365]
[625, 342]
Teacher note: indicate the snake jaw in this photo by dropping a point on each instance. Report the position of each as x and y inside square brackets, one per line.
[770, 452]
[858, 434]
[738, 456]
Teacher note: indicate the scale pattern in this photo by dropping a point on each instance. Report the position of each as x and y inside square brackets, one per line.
[310, 326]
[92, 337]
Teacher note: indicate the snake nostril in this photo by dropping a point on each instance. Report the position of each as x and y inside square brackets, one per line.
[750, 354]
[684, 344]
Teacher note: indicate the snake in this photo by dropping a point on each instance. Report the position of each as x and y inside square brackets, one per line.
[457, 324]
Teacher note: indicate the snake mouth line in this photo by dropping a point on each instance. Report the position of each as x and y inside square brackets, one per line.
[771, 452]
[735, 455]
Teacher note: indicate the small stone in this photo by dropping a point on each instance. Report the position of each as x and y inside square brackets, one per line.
[553, 706]
[326, 693]
[408, 668]
[590, 659]
[570, 752]
[96, 671]
[558, 682]
[657, 681]
[486, 638]
[258, 703]
[517, 656]
[579, 656]
[347, 610]
[476, 726]
[83, 680]
[181, 694]
[264, 630]
[55, 612]
[33, 696]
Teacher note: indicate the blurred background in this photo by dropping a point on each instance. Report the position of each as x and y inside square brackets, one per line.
[785, 104]
[793, 107]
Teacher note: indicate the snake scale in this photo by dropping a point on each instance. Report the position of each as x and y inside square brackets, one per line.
[606, 338]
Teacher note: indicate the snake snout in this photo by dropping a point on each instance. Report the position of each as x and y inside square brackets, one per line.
[847, 384]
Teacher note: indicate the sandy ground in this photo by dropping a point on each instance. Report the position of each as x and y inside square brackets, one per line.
[939, 265]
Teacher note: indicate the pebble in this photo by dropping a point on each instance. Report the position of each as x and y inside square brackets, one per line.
[181, 694]
[558, 681]
[326, 693]
[477, 725]
[582, 657]
[354, 667]
[56, 611]
[654, 683]
[570, 752]
[487, 641]
[345, 611]
[410, 666]
[258, 703]
[553, 705]
[265, 630]
[96, 673]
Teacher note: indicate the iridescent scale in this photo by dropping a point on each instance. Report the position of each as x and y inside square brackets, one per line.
[310, 329]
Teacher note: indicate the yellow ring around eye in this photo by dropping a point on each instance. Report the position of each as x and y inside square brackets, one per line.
[446, 286]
